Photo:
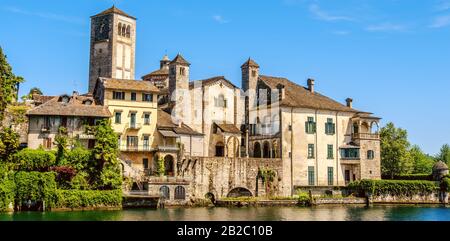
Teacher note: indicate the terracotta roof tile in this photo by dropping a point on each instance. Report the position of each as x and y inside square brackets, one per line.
[115, 10]
[165, 123]
[180, 60]
[123, 84]
[157, 72]
[210, 81]
[228, 128]
[250, 62]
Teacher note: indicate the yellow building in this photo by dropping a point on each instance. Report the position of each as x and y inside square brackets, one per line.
[133, 105]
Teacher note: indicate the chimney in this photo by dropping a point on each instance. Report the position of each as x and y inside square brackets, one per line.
[281, 91]
[311, 85]
[349, 102]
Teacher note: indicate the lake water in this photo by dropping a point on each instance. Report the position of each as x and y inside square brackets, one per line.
[319, 213]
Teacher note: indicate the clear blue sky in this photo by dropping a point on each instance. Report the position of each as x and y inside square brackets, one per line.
[391, 56]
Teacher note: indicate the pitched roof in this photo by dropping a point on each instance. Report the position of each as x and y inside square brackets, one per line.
[163, 71]
[40, 99]
[74, 107]
[126, 84]
[228, 128]
[299, 96]
[180, 60]
[114, 10]
[250, 62]
[440, 165]
[165, 123]
[210, 81]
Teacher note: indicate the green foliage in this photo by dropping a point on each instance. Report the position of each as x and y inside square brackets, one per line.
[395, 157]
[106, 146]
[7, 187]
[445, 184]
[88, 198]
[419, 176]
[34, 160]
[444, 154]
[80, 181]
[267, 175]
[61, 140]
[34, 90]
[35, 186]
[17, 113]
[110, 178]
[9, 144]
[8, 84]
[160, 168]
[393, 187]
[422, 163]
[78, 158]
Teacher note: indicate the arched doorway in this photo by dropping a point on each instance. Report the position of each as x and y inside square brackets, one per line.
[239, 192]
[164, 192]
[257, 150]
[168, 165]
[266, 150]
[180, 193]
[211, 197]
[220, 149]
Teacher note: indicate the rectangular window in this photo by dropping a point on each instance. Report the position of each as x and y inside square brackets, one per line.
[146, 119]
[330, 176]
[145, 163]
[146, 143]
[118, 95]
[311, 176]
[133, 96]
[118, 117]
[350, 153]
[330, 127]
[370, 154]
[310, 151]
[132, 142]
[147, 97]
[330, 152]
[310, 126]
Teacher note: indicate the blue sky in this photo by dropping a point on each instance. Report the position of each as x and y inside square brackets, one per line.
[391, 56]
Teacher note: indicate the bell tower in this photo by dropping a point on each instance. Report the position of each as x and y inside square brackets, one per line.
[113, 44]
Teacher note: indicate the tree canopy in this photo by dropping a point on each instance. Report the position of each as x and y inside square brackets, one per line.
[444, 154]
[395, 157]
[8, 84]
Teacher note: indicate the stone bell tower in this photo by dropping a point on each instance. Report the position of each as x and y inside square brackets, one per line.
[113, 44]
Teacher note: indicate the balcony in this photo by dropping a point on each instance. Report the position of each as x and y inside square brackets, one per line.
[366, 136]
[131, 148]
[134, 126]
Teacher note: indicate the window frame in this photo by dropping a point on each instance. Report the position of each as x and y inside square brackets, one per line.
[311, 151]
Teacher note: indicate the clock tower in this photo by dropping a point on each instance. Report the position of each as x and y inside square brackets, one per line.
[113, 44]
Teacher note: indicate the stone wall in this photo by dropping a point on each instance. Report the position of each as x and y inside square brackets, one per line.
[432, 198]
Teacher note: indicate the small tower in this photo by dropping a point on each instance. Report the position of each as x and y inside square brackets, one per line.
[440, 169]
[178, 81]
[164, 62]
[250, 75]
[113, 44]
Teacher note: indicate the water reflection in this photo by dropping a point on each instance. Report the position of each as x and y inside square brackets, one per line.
[319, 213]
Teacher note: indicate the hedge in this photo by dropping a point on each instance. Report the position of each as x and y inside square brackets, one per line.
[88, 198]
[427, 177]
[34, 160]
[393, 187]
[35, 186]
[7, 187]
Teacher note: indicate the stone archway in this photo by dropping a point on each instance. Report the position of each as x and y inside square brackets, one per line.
[266, 149]
[240, 192]
[232, 147]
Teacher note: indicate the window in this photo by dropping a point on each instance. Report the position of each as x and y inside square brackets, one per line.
[310, 126]
[145, 163]
[330, 127]
[220, 101]
[164, 192]
[133, 96]
[180, 193]
[253, 73]
[370, 154]
[311, 176]
[118, 95]
[132, 142]
[147, 119]
[330, 152]
[118, 117]
[310, 150]
[350, 153]
[182, 71]
[146, 143]
[290, 127]
[330, 176]
[119, 29]
[147, 97]
[128, 31]
[290, 154]
[47, 144]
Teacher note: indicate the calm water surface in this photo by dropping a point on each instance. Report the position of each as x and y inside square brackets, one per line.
[321, 213]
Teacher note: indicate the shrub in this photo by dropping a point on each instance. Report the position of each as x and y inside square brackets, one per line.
[427, 177]
[110, 178]
[35, 186]
[88, 198]
[7, 187]
[80, 181]
[392, 187]
[304, 199]
[78, 158]
[445, 184]
[64, 175]
[34, 160]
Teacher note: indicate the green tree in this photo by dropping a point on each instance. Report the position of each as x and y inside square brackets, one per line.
[444, 154]
[422, 163]
[61, 141]
[8, 84]
[9, 144]
[34, 90]
[395, 158]
[106, 146]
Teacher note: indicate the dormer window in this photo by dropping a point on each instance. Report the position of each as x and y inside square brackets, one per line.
[87, 102]
[65, 99]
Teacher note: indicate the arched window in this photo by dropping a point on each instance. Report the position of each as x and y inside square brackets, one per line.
[119, 29]
[266, 150]
[128, 31]
[180, 193]
[124, 29]
[257, 150]
[168, 165]
[164, 192]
